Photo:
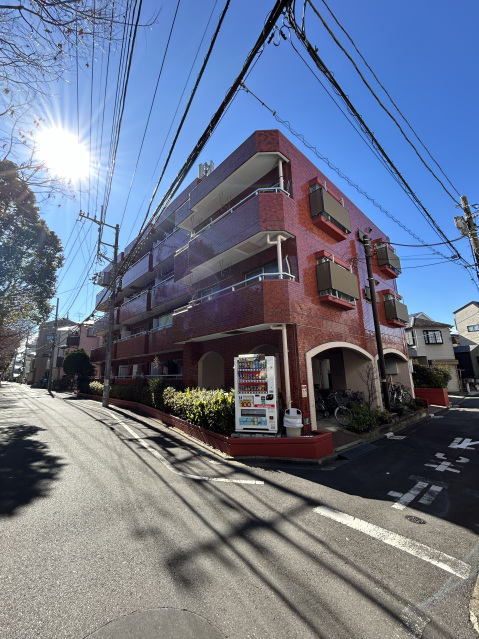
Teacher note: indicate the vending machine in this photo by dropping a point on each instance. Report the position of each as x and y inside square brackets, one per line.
[255, 394]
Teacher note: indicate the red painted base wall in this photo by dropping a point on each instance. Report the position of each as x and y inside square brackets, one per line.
[313, 447]
[436, 396]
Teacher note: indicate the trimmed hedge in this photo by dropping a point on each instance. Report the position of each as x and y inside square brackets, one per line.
[430, 376]
[210, 409]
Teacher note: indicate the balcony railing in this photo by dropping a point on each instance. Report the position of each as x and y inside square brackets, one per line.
[213, 219]
[238, 285]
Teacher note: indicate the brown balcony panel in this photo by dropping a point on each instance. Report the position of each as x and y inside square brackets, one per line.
[98, 354]
[162, 340]
[101, 325]
[135, 309]
[73, 340]
[102, 300]
[169, 294]
[136, 272]
[169, 246]
[396, 312]
[133, 346]
[246, 306]
[262, 213]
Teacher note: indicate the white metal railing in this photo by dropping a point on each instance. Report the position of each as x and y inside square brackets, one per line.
[122, 339]
[133, 266]
[168, 277]
[134, 297]
[158, 242]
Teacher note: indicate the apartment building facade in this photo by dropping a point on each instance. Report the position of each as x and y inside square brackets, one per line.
[467, 351]
[259, 256]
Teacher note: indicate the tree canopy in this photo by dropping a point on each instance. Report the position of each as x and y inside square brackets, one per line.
[77, 362]
[30, 253]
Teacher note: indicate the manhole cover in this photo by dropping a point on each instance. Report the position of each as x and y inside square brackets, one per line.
[415, 520]
[164, 623]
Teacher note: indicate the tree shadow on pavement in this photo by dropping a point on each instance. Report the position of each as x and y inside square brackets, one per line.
[27, 469]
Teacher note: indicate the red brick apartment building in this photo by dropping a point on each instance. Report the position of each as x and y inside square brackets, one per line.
[263, 242]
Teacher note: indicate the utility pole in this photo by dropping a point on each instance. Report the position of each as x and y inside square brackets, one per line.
[468, 227]
[54, 340]
[111, 308]
[377, 327]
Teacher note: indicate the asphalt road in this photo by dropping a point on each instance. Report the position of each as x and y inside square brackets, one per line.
[112, 528]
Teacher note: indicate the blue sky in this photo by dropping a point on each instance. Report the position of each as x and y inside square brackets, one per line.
[425, 55]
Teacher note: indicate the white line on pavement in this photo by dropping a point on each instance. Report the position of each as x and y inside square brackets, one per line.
[431, 495]
[435, 557]
[167, 464]
[409, 496]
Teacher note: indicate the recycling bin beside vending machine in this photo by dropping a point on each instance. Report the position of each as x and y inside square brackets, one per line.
[255, 394]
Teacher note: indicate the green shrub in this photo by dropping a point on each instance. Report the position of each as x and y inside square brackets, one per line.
[210, 409]
[398, 409]
[156, 387]
[382, 416]
[430, 376]
[94, 388]
[364, 419]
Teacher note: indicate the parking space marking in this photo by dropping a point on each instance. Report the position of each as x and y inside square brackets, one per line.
[415, 548]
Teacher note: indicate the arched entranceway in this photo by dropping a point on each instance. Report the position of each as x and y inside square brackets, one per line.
[211, 371]
[397, 368]
[340, 366]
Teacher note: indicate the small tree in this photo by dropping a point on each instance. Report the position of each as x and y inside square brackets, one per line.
[369, 376]
[78, 363]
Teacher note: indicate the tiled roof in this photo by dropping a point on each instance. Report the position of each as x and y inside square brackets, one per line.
[421, 323]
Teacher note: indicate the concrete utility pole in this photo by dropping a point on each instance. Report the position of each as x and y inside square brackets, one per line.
[377, 327]
[471, 228]
[54, 340]
[111, 309]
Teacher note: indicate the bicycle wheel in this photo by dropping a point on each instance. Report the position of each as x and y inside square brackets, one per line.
[343, 415]
[406, 398]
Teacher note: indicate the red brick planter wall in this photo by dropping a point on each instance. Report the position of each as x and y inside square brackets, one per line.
[436, 396]
[314, 447]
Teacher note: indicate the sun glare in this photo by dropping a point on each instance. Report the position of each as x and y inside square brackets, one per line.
[62, 154]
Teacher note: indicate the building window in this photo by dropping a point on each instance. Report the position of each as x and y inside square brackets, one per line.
[162, 322]
[208, 293]
[433, 337]
[473, 328]
[411, 338]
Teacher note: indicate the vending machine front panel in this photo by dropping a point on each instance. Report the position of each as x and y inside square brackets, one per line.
[255, 394]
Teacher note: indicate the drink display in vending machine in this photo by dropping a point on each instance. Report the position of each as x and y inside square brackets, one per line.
[255, 394]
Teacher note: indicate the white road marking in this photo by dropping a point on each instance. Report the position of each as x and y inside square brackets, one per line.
[391, 435]
[431, 495]
[407, 498]
[437, 483]
[167, 464]
[446, 465]
[435, 557]
[465, 443]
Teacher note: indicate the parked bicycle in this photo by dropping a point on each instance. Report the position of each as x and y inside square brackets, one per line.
[399, 394]
[342, 413]
[320, 404]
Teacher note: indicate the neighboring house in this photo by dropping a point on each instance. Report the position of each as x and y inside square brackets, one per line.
[430, 343]
[263, 242]
[69, 336]
[467, 351]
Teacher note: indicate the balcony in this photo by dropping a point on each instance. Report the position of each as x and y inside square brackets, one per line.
[73, 340]
[168, 295]
[336, 285]
[222, 187]
[100, 326]
[245, 307]
[132, 346]
[102, 300]
[329, 214]
[396, 312]
[388, 261]
[135, 309]
[138, 275]
[167, 247]
[98, 354]
[236, 235]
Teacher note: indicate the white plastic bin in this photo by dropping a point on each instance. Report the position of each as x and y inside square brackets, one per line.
[293, 422]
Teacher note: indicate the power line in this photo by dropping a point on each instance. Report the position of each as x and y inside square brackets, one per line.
[389, 96]
[312, 51]
[379, 101]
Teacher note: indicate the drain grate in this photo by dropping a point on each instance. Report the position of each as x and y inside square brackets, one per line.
[415, 520]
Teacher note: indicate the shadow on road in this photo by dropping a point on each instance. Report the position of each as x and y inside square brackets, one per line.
[27, 469]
